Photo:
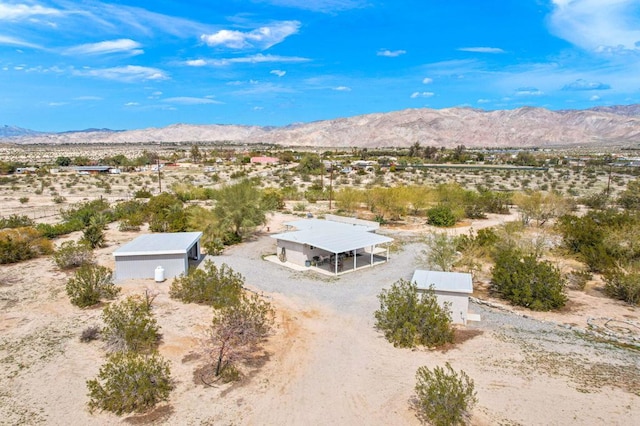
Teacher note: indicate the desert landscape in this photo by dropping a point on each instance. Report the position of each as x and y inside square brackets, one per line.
[325, 363]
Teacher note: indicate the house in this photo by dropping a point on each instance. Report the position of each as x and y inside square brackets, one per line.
[452, 287]
[264, 160]
[85, 170]
[172, 251]
[336, 244]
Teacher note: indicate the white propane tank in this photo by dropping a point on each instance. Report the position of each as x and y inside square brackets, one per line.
[159, 275]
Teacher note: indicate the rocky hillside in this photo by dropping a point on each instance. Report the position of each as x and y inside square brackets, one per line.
[524, 127]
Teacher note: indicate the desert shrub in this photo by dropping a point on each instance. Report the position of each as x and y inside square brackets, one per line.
[210, 285]
[630, 198]
[58, 229]
[444, 397]
[90, 334]
[72, 254]
[87, 210]
[130, 382]
[525, 281]
[93, 235]
[23, 200]
[166, 214]
[237, 329]
[441, 251]
[90, 284]
[597, 201]
[441, 216]
[408, 318]
[142, 193]
[130, 326]
[16, 221]
[18, 244]
[623, 285]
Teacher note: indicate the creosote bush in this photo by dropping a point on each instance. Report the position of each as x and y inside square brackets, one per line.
[441, 216]
[623, 285]
[18, 244]
[90, 284]
[130, 382]
[443, 396]
[408, 318]
[72, 255]
[210, 285]
[130, 325]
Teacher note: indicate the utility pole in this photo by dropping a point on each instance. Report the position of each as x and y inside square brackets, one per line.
[609, 180]
[159, 176]
[331, 187]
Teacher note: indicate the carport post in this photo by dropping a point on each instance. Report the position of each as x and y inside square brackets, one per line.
[336, 260]
[372, 249]
[354, 260]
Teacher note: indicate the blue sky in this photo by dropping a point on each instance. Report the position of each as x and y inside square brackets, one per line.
[78, 64]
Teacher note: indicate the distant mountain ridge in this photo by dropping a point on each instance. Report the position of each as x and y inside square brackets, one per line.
[449, 127]
[14, 131]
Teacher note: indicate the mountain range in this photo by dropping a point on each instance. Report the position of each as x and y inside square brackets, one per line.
[450, 127]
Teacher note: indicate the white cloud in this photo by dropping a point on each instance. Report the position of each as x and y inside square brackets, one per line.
[261, 38]
[131, 104]
[582, 84]
[87, 98]
[13, 41]
[594, 98]
[127, 74]
[427, 80]
[390, 53]
[123, 45]
[415, 95]
[597, 25]
[16, 12]
[342, 89]
[279, 73]
[325, 6]
[188, 100]
[484, 101]
[528, 91]
[253, 59]
[481, 49]
[57, 104]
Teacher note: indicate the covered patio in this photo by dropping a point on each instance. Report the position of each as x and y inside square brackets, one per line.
[333, 247]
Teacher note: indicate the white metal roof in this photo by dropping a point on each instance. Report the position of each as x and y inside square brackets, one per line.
[455, 282]
[331, 236]
[168, 243]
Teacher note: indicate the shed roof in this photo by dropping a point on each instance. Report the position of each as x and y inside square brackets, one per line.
[150, 244]
[455, 282]
[332, 236]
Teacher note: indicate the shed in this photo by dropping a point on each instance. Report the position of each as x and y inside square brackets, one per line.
[140, 257]
[453, 287]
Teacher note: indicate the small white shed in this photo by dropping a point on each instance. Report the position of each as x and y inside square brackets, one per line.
[453, 287]
[172, 251]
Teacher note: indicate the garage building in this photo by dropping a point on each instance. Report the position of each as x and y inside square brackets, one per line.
[452, 287]
[172, 251]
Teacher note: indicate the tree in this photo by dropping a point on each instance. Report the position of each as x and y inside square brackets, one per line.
[130, 326]
[541, 206]
[90, 284]
[443, 396]
[130, 382]
[348, 199]
[63, 161]
[441, 251]
[525, 281]
[310, 164]
[196, 156]
[72, 255]
[238, 208]
[237, 329]
[408, 318]
[211, 285]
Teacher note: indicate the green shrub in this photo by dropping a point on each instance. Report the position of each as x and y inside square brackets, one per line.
[623, 286]
[16, 221]
[443, 396]
[130, 325]
[93, 235]
[211, 285]
[130, 382]
[142, 193]
[64, 228]
[87, 210]
[90, 284]
[525, 281]
[408, 318]
[441, 216]
[72, 255]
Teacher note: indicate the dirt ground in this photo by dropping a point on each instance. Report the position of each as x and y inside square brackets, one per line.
[325, 362]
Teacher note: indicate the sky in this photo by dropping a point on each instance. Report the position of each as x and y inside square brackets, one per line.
[70, 65]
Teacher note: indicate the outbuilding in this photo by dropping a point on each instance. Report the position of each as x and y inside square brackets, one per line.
[172, 251]
[452, 287]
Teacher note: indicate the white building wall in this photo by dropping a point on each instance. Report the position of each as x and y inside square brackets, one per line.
[295, 252]
[459, 305]
[144, 266]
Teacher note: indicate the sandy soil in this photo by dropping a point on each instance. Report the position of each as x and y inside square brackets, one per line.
[325, 363]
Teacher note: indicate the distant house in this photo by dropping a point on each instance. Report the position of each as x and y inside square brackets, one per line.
[337, 244]
[172, 251]
[26, 170]
[264, 160]
[452, 287]
[92, 169]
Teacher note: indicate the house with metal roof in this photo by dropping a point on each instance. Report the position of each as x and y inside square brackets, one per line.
[335, 244]
[171, 252]
[449, 287]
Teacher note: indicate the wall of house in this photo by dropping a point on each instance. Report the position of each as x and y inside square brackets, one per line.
[296, 252]
[145, 266]
[459, 304]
